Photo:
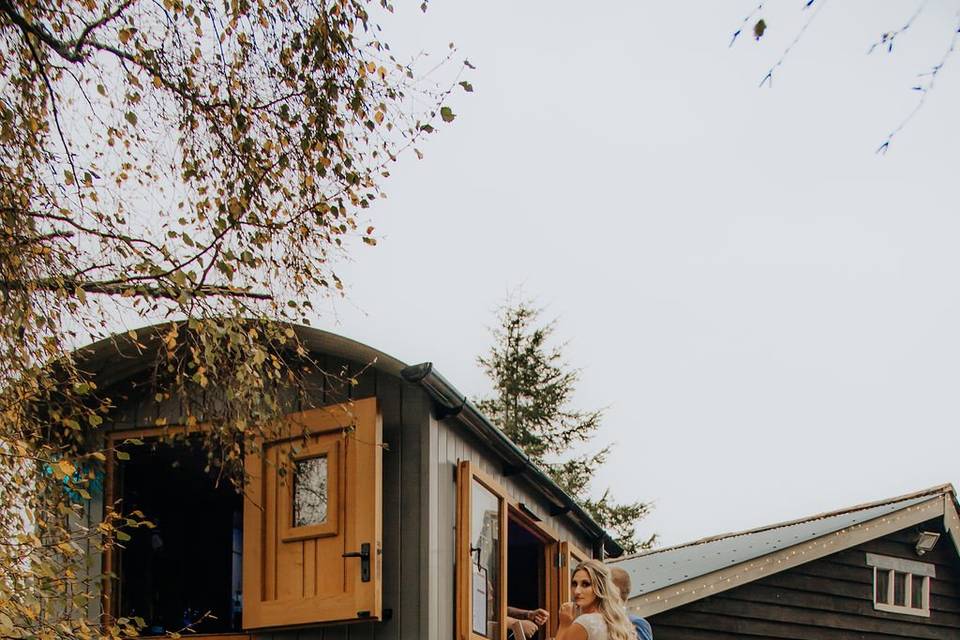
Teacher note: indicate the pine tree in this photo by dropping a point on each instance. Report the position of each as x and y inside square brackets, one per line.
[533, 387]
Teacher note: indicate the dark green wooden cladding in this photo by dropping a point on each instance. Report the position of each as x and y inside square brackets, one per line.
[827, 599]
[405, 412]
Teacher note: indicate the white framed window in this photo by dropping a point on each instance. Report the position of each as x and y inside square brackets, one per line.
[900, 585]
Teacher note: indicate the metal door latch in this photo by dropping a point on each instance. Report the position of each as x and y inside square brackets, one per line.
[364, 555]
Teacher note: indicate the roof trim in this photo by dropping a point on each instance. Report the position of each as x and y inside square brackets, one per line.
[951, 518]
[942, 502]
[937, 490]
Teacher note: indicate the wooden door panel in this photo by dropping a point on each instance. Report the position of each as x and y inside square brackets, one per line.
[313, 501]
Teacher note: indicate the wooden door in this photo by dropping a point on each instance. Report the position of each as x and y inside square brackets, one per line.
[312, 520]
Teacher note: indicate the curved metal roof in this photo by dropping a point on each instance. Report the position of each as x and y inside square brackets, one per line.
[119, 356]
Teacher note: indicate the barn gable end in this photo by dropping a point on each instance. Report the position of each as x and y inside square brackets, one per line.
[829, 598]
[835, 576]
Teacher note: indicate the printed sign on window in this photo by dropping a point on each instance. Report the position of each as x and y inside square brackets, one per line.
[479, 601]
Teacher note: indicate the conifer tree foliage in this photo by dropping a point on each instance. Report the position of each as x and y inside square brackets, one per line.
[533, 388]
[197, 160]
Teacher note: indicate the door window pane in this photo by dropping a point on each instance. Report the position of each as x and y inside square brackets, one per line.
[485, 560]
[310, 491]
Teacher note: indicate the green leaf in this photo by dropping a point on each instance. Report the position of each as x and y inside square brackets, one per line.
[123, 455]
[131, 117]
[446, 113]
[759, 28]
[466, 86]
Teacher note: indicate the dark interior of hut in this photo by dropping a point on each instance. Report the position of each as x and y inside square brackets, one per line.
[185, 572]
[526, 583]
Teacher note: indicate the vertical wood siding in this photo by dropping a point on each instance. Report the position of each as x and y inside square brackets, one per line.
[829, 599]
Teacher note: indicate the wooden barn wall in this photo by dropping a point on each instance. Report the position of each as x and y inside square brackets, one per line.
[405, 411]
[447, 443]
[827, 599]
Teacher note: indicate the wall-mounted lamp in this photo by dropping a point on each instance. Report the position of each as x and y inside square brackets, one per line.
[926, 541]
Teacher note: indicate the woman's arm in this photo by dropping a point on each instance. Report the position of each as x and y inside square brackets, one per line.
[574, 632]
[537, 616]
[568, 629]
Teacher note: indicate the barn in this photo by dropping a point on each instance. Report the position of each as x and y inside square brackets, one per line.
[881, 571]
[390, 509]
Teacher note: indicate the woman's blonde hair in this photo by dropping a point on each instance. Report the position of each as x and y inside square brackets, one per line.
[609, 604]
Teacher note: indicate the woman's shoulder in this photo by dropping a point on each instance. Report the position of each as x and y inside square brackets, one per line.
[594, 625]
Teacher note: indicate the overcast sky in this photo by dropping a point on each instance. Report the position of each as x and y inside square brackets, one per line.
[769, 309]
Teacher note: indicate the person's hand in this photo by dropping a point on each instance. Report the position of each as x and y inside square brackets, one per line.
[568, 612]
[539, 616]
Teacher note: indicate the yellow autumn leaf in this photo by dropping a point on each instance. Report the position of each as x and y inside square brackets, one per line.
[66, 467]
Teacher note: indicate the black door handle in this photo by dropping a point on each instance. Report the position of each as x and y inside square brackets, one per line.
[364, 555]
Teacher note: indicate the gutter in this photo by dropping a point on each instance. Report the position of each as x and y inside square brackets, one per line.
[449, 402]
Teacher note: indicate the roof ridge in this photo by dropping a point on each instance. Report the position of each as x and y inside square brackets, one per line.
[941, 489]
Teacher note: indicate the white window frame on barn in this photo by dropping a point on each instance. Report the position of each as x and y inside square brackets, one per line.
[889, 567]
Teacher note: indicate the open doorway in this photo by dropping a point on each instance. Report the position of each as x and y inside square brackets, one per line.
[185, 572]
[526, 570]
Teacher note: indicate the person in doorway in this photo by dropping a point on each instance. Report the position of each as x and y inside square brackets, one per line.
[597, 611]
[622, 579]
[525, 622]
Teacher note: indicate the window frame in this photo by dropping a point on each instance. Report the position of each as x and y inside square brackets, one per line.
[110, 557]
[329, 527]
[557, 553]
[570, 556]
[467, 474]
[910, 568]
[551, 559]
[366, 409]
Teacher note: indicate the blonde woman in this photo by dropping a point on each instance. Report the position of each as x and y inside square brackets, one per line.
[602, 615]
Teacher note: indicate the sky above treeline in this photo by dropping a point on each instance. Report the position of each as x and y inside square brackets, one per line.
[768, 309]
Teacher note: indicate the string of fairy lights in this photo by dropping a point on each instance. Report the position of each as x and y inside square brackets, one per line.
[722, 580]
